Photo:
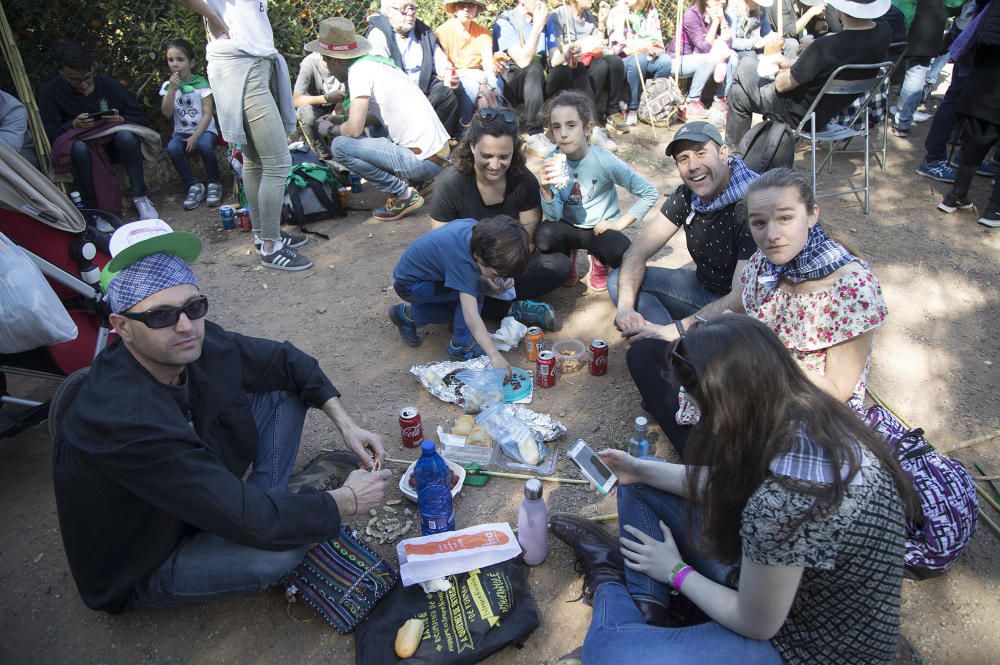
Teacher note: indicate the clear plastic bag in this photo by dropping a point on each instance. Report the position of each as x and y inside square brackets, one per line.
[515, 438]
[31, 314]
[482, 388]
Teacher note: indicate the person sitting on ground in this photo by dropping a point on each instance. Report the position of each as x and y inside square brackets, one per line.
[150, 457]
[317, 93]
[14, 127]
[579, 195]
[520, 52]
[634, 33]
[67, 105]
[397, 33]
[798, 83]
[187, 98]
[469, 47]
[925, 32]
[784, 528]
[572, 34]
[416, 147]
[822, 301]
[706, 31]
[488, 177]
[444, 274]
[252, 90]
[979, 113]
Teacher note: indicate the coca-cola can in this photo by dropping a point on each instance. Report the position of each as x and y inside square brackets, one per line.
[545, 369]
[598, 357]
[534, 341]
[243, 219]
[411, 429]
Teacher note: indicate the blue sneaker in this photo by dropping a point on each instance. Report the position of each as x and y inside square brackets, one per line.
[532, 313]
[986, 168]
[456, 352]
[401, 318]
[937, 169]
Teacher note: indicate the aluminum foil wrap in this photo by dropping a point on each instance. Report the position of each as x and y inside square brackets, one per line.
[438, 379]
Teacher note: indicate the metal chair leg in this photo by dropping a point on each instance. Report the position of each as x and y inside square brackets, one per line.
[867, 178]
[812, 138]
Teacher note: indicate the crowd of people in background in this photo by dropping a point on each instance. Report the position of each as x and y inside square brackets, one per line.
[754, 362]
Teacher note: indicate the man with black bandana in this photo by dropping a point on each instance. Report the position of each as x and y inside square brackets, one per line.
[150, 457]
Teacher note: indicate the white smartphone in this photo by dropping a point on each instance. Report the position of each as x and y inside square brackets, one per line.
[592, 466]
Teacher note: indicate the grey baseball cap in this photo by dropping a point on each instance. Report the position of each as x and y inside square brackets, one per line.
[698, 131]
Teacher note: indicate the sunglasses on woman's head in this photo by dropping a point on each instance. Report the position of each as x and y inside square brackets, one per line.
[675, 350]
[167, 317]
[489, 115]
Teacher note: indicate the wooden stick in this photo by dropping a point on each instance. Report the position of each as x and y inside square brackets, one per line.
[677, 40]
[985, 479]
[649, 102]
[971, 442]
[993, 525]
[504, 474]
[988, 498]
[24, 91]
[980, 469]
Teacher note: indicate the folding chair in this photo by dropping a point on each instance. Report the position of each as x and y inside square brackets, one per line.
[834, 133]
[897, 51]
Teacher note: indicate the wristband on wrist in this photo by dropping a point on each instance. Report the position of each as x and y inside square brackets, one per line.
[678, 574]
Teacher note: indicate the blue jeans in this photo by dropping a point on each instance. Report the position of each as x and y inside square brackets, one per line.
[383, 163]
[208, 567]
[617, 631]
[124, 149]
[702, 69]
[433, 302]
[666, 294]
[936, 143]
[617, 634]
[205, 145]
[911, 94]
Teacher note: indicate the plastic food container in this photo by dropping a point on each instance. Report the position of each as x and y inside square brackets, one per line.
[571, 355]
[411, 494]
[454, 449]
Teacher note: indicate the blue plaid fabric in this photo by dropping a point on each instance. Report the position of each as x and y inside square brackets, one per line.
[145, 277]
[805, 461]
[820, 257]
[738, 182]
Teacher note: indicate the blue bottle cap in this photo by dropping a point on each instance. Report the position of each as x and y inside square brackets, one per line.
[428, 446]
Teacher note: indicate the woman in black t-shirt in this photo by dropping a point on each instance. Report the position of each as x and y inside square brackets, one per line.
[488, 177]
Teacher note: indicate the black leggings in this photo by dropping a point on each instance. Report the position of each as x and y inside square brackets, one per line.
[126, 149]
[978, 136]
[607, 78]
[647, 362]
[545, 273]
[527, 85]
[609, 247]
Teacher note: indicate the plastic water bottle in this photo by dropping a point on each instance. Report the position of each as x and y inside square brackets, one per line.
[436, 511]
[430, 468]
[77, 200]
[638, 444]
[532, 524]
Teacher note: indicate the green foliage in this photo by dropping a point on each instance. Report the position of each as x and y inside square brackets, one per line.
[126, 37]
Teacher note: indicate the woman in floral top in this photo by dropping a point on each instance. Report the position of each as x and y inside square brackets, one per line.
[823, 302]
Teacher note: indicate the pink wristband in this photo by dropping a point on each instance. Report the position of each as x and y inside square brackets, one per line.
[679, 578]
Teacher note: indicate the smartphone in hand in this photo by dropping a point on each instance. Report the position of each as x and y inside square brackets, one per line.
[101, 114]
[593, 467]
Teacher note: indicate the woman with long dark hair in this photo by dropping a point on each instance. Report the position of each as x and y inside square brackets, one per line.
[785, 525]
[488, 177]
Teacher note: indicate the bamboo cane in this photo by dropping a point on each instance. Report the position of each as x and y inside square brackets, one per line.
[504, 474]
[24, 91]
[971, 442]
[677, 40]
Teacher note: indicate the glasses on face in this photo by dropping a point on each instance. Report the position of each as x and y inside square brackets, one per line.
[407, 9]
[489, 115]
[167, 317]
[73, 80]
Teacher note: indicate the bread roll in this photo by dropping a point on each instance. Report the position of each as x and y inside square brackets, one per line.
[463, 426]
[408, 637]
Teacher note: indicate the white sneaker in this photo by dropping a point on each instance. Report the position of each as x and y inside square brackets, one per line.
[600, 138]
[920, 116]
[632, 119]
[144, 208]
[539, 146]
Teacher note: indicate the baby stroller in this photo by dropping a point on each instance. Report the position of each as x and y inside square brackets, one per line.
[70, 252]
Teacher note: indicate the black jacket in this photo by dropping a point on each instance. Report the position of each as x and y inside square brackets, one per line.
[424, 36]
[59, 103]
[139, 465]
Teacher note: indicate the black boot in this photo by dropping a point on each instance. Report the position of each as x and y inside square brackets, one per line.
[327, 471]
[595, 548]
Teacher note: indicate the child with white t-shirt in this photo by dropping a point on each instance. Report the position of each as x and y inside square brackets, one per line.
[187, 98]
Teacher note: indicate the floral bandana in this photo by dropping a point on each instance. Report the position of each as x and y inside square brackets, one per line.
[821, 256]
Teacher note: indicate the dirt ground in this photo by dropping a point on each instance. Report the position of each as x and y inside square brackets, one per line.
[936, 362]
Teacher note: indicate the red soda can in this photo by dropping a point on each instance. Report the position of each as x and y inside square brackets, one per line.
[598, 357]
[545, 369]
[243, 219]
[533, 342]
[411, 429]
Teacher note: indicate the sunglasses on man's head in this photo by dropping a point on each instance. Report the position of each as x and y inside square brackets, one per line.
[489, 115]
[167, 317]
